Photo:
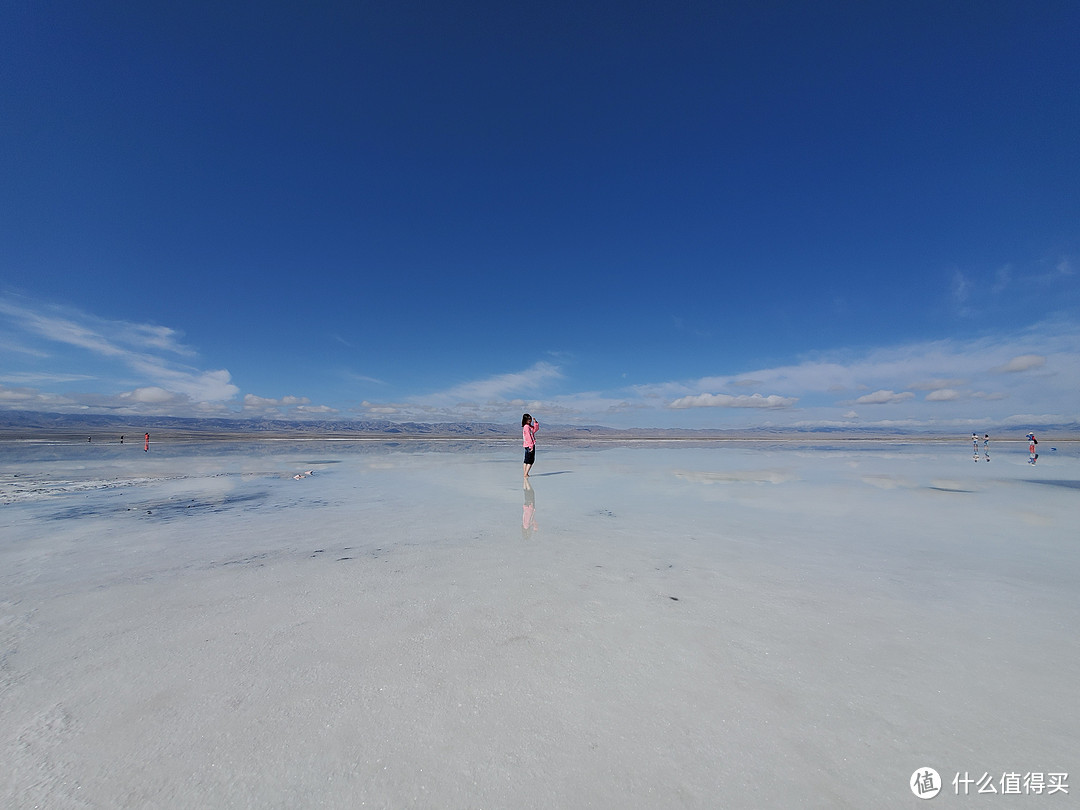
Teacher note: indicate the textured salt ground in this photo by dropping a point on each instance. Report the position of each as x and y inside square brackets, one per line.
[682, 628]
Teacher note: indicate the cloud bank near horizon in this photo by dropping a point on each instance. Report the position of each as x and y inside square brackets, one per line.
[62, 359]
[65, 345]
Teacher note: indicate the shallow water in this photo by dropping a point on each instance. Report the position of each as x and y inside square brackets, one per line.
[699, 625]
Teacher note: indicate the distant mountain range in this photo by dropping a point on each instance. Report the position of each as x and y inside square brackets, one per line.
[31, 423]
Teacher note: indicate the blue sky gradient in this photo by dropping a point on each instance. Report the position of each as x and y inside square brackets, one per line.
[692, 214]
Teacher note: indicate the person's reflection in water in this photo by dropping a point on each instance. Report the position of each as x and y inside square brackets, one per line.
[528, 513]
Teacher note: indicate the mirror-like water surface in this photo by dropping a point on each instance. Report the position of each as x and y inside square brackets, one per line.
[773, 624]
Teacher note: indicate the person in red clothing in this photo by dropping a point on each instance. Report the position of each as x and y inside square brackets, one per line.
[529, 426]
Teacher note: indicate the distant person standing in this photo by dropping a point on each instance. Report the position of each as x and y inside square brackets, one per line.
[529, 426]
[1032, 442]
[146, 443]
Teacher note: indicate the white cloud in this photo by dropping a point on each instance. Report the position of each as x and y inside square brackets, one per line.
[16, 394]
[200, 386]
[489, 399]
[1001, 279]
[961, 293]
[150, 351]
[286, 406]
[501, 385]
[44, 377]
[884, 397]
[109, 338]
[923, 366]
[1063, 269]
[933, 385]
[32, 399]
[9, 347]
[152, 395]
[144, 368]
[943, 395]
[316, 410]
[1024, 362]
[354, 377]
[728, 401]
[259, 403]
[1036, 418]
[884, 377]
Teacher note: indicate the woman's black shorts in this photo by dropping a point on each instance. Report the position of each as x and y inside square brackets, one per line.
[530, 455]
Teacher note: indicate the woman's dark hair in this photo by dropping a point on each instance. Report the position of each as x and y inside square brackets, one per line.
[525, 419]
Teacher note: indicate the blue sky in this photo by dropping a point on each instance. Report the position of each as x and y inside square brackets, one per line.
[693, 214]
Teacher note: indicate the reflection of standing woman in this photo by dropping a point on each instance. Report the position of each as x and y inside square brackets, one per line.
[529, 426]
[528, 512]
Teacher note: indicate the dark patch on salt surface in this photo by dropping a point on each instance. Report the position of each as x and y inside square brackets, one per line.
[950, 489]
[365, 552]
[163, 510]
[319, 502]
[194, 506]
[78, 512]
[1066, 484]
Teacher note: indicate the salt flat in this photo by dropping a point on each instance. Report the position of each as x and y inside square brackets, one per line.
[665, 625]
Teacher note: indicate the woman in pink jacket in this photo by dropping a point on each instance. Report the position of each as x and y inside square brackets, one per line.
[529, 426]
